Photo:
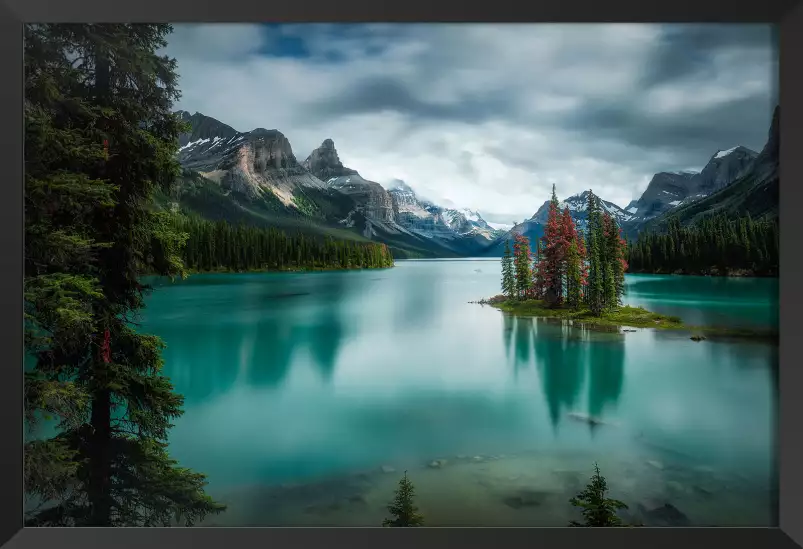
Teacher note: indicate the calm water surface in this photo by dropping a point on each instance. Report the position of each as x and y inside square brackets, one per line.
[307, 395]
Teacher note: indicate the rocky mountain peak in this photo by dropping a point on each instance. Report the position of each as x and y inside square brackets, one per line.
[324, 162]
[577, 205]
[399, 186]
[203, 127]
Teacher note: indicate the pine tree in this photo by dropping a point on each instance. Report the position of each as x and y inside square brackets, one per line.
[522, 266]
[598, 510]
[403, 507]
[508, 280]
[100, 138]
[614, 262]
[210, 245]
[574, 276]
[716, 243]
[595, 289]
[575, 268]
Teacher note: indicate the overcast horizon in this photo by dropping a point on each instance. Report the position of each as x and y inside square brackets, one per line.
[489, 116]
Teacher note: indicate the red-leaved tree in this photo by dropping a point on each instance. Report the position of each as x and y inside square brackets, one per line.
[560, 271]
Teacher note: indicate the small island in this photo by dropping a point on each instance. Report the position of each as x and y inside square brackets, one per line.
[636, 317]
[580, 278]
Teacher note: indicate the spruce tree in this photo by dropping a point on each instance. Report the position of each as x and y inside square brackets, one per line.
[403, 508]
[716, 242]
[508, 280]
[522, 266]
[598, 510]
[595, 289]
[614, 263]
[574, 276]
[100, 138]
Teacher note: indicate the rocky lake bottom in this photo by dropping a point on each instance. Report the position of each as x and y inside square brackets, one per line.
[530, 489]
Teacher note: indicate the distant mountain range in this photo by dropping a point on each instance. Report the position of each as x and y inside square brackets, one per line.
[735, 181]
[255, 178]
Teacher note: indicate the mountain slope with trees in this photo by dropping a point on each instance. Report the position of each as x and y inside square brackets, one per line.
[733, 231]
[259, 180]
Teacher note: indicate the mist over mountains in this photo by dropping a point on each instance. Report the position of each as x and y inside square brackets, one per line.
[255, 177]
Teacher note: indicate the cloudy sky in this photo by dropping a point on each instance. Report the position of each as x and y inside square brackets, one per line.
[486, 116]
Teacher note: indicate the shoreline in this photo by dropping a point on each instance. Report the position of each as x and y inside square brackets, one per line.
[624, 317]
[730, 274]
[288, 270]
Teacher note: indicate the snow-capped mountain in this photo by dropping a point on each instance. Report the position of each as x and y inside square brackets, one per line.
[419, 216]
[668, 190]
[578, 207]
[257, 176]
[433, 221]
[469, 222]
[371, 198]
[754, 192]
[577, 204]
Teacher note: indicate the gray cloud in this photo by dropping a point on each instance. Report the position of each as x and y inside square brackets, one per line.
[490, 116]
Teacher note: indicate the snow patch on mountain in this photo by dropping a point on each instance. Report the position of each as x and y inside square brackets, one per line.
[723, 154]
[193, 144]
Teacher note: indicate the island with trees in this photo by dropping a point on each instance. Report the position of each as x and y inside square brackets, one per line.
[579, 275]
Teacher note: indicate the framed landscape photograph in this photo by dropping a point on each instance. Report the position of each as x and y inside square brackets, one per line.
[402, 274]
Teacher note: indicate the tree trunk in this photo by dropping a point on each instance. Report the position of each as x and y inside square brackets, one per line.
[99, 459]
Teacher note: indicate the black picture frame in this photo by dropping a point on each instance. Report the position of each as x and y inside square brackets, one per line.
[788, 14]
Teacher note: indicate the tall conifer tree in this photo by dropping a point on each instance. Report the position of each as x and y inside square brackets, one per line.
[508, 279]
[100, 137]
[553, 254]
[522, 264]
[595, 288]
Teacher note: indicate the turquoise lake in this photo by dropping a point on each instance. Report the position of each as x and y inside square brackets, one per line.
[308, 395]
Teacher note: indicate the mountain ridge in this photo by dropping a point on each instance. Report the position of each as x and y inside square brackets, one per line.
[260, 172]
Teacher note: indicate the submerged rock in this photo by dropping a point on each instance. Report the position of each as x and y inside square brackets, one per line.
[357, 499]
[388, 469]
[697, 338]
[665, 515]
[525, 498]
[585, 418]
[676, 486]
[437, 464]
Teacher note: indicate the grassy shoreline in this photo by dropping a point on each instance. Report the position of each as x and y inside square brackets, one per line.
[737, 273]
[624, 317]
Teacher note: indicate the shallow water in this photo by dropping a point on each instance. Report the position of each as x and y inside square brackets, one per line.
[301, 388]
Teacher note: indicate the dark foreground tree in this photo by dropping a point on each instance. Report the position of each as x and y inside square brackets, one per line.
[598, 510]
[403, 508]
[100, 137]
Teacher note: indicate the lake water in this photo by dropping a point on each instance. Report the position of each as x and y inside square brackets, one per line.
[308, 395]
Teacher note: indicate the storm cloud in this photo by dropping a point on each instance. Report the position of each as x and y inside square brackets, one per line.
[490, 116]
